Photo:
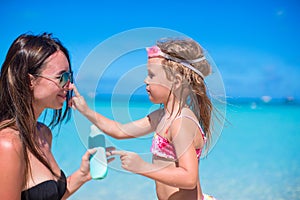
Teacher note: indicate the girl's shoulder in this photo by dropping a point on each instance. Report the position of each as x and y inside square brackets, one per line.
[187, 112]
[156, 116]
[185, 120]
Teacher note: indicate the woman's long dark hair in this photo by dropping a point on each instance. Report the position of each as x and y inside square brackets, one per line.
[25, 56]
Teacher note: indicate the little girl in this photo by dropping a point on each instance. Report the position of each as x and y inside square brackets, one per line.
[176, 71]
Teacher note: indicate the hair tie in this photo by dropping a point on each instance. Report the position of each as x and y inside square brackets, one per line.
[155, 51]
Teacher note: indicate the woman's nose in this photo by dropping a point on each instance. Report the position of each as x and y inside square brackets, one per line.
[69, 86]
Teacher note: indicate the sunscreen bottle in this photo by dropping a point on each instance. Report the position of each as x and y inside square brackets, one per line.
[98, 161]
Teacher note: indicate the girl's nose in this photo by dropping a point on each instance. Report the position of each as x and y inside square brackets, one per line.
[146, 81]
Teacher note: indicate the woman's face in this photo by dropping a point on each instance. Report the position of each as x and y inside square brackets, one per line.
[47, 90]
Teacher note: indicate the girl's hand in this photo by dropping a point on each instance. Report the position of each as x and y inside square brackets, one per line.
[78, 102]
[109, 154]
[131, 161]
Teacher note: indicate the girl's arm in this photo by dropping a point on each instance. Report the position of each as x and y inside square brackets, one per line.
[108, 126]
[11, 164]
[185, 175]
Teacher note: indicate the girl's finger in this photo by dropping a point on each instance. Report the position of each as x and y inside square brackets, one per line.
[109, 149]
[77, 94]
[110, 159]
[121, 153]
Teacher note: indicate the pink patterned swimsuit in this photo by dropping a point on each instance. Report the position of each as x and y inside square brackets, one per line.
[162, 147]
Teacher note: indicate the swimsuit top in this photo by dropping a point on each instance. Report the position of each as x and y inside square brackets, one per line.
[47, 190]
[162, 147]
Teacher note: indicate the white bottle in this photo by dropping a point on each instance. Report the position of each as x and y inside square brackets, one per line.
[98, 161]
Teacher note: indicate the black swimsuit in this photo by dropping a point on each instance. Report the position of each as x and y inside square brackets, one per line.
[47, 190]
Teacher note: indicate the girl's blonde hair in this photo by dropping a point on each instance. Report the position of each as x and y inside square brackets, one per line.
[197, 97]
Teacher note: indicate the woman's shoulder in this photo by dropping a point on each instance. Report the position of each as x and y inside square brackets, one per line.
[45, 130]
[43, 127]
[12, 162]
[10, 142]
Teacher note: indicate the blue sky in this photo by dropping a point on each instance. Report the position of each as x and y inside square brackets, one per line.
[255, 44]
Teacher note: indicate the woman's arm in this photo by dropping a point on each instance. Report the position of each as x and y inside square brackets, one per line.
[81, 176]
[108, 126]
[12, 175]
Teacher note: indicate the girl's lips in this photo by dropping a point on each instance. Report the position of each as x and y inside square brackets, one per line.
[147, 89]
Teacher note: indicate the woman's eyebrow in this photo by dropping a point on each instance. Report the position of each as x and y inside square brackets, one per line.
[61, 72]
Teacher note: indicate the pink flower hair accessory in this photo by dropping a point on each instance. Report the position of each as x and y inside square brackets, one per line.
[154, 51]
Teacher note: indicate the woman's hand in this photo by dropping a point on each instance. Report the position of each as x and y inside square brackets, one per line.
[85, 161]
[85, 164]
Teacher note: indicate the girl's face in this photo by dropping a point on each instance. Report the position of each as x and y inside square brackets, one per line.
[48, 92]
[157, 84]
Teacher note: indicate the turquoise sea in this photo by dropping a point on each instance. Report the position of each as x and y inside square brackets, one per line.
[256, 157]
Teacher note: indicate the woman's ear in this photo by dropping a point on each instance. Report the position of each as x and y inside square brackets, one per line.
[32, 81]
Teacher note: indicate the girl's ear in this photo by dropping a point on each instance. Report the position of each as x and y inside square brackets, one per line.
[177, 81]
[32, 81]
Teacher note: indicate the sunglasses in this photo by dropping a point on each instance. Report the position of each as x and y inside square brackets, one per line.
[64, 78]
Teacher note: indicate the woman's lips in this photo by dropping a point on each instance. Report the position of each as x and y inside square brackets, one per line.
[63, 96]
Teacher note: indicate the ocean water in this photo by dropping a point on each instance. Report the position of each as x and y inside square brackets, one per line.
[256, 157]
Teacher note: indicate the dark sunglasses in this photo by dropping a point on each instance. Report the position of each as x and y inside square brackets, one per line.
[64, 78]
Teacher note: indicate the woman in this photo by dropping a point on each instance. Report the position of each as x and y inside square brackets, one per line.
[35, 75]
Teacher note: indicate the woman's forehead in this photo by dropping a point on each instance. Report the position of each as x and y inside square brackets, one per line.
[57, 62]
